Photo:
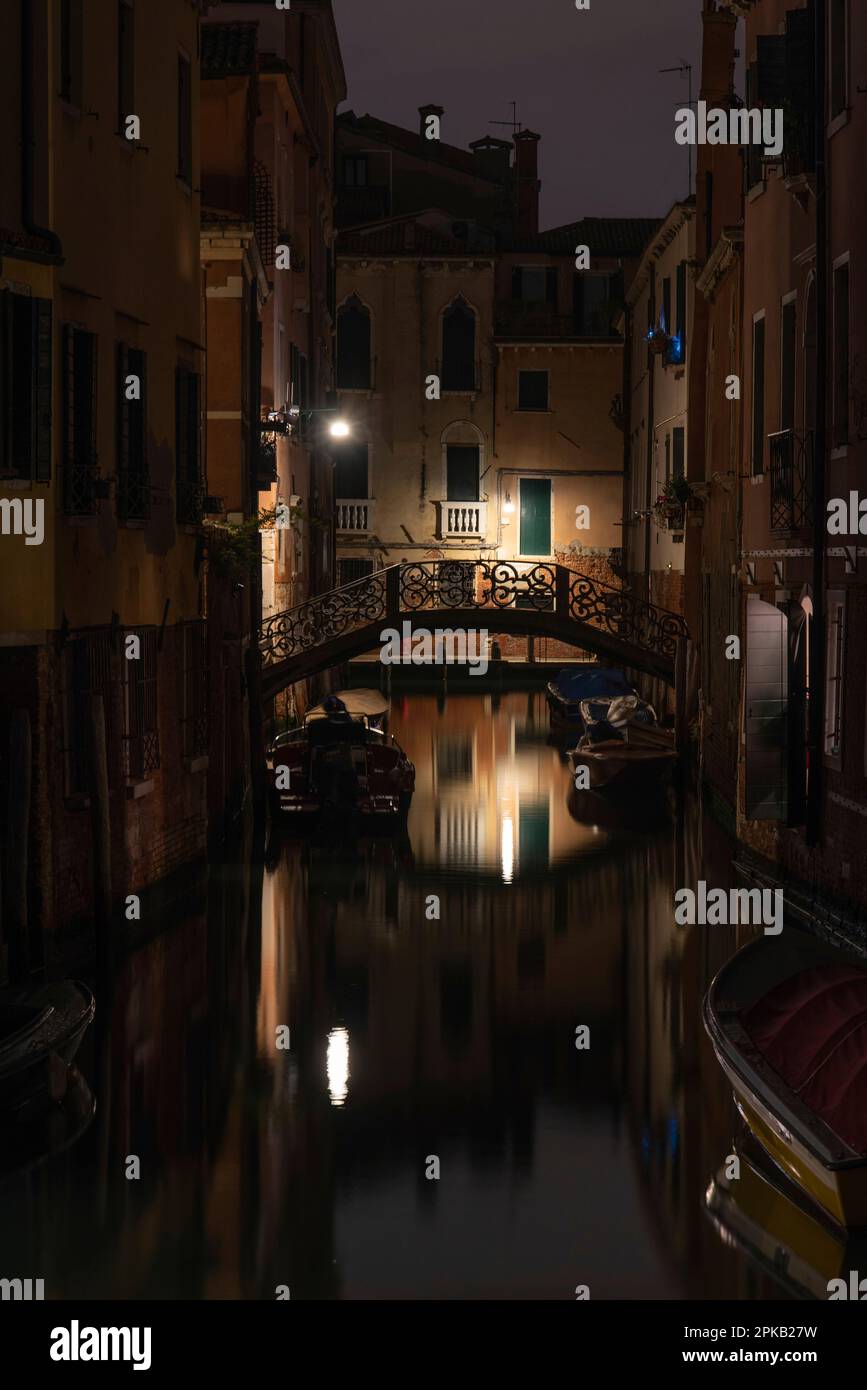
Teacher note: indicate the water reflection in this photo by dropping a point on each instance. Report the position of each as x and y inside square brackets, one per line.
[432, 984]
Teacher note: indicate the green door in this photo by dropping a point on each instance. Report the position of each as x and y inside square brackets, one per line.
[535, 516]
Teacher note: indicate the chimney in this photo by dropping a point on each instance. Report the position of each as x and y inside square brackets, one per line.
[423, 113]
[527, 181]
[492, 158]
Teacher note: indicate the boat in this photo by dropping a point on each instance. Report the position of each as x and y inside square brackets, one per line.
[340, 764]
[763, 1214]
[622, 742]
[40, 1033]
[573, 684]
[787, 1017]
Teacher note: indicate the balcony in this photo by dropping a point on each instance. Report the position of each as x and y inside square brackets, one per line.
[354, 516]
[791, 456]
[463, 520]
[519, 320]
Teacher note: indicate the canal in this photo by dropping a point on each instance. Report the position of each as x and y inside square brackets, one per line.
[429, 986]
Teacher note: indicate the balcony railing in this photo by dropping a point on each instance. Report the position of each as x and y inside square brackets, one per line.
[463, 519]
[354, 515]
[791, 454]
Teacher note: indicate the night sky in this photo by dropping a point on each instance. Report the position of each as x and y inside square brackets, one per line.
[587, 81]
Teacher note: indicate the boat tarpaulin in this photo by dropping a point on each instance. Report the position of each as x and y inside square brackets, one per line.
[812, 1029]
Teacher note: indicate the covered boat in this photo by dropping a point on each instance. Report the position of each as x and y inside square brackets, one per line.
[767, 1217]
[581, 682]
[787, 1017]
[340, 765]
[40, 1033]
[622, 741]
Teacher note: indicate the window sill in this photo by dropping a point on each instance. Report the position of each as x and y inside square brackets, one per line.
[184, 185]
[17, 484]
[837, 123]
[132, 523]
[756, 191]
[136, 790]
[82, 521]
[757, 479]
[839, 451]
[194, 765]
[532, 410]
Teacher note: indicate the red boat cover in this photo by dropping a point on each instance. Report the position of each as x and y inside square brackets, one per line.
[812, 1029]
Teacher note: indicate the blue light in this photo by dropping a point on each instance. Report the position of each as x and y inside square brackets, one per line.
[675, 351]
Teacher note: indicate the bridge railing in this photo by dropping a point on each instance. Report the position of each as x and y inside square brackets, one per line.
[401, 590]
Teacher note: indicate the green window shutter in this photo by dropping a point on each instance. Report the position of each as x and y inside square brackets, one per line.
[535, 525]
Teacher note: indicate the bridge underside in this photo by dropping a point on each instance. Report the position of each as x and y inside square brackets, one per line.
[508, 621]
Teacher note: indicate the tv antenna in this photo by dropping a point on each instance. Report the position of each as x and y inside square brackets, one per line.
[514, 122]
[685, 69]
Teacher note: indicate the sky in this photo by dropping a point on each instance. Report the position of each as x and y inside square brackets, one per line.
[587, 81]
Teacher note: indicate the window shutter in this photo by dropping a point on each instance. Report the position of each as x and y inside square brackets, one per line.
[68, 395]
[771, 81]
[122, 410]
[42, 323]
[766, 711]
[6, 359]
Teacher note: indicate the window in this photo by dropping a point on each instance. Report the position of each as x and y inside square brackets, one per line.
[299, 380]
[753, 167]
[838, 58]
[133, 481]
[666, 304]
[185, 119]
[592, 305]
[195, 706]
[532, 390]
[125, 61]
[459, 348]
[534, 284]
[758, 395]
[355, 171]
[678, 460]
[462, 473]
[79, 420]
[140, 736]
[188, 454]
[85, 670]
[836, 632]
[677, 350]
[70, 49]
[841, 355]
[25, 387]
[353, 346]
[350, 570]
[351, 469]
[788, 339]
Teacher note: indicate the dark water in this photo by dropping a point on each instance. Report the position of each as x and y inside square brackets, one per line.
[412, 1038]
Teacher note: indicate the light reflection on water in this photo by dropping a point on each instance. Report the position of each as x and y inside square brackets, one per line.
[432, 983]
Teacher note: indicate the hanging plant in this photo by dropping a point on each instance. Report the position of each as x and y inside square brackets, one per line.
[233, 546]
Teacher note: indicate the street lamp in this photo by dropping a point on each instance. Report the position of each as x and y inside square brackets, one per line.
[297, 415]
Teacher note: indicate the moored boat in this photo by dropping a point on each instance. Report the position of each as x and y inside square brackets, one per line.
[622, 741]
[40, 1033]
[573, 684]
[339, 765]
[787, 1017]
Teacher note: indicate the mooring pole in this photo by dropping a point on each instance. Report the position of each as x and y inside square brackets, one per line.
[100, 824]
[680, 692]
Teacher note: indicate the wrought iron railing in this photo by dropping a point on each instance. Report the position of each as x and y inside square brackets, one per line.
[133, 496]
[79, 488]
[477, 585]
[791, 454]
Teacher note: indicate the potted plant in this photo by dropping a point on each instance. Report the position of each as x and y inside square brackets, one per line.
[670, 506]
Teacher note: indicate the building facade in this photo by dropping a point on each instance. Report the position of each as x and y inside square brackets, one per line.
[102, 355]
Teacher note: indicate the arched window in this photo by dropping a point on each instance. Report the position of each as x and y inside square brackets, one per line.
[353, 346]
[459, 348]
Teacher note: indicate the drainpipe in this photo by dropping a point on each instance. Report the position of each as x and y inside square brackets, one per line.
[27, 140]
[817, 629]
[650, 441]
[625, 534]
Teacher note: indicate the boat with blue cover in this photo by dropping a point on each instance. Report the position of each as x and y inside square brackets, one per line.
[574, 684]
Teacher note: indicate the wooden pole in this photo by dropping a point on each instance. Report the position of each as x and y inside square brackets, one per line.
[100, 824]
[15, 952]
